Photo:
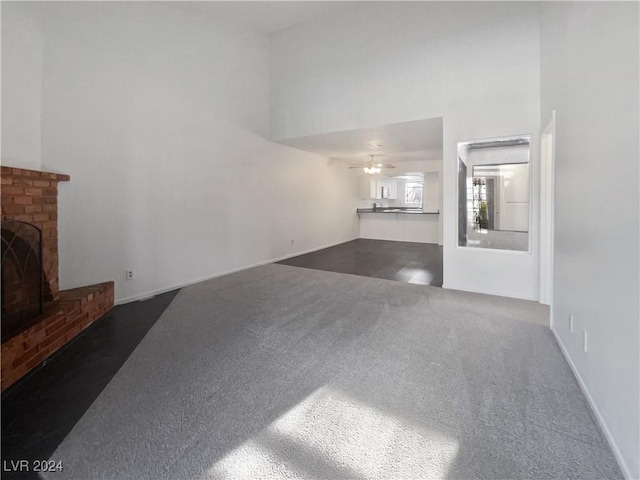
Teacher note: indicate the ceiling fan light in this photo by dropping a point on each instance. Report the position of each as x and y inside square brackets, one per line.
[372, 168]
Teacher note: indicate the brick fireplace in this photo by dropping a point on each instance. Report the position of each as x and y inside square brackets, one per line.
[31, 197]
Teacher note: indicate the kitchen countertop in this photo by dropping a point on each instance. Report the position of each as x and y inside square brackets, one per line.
[401, 210]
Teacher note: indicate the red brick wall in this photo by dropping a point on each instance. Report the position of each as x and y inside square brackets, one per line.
[74, 311]
[31, 196]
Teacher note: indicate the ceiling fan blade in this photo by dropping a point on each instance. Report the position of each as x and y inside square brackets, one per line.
[378, 165]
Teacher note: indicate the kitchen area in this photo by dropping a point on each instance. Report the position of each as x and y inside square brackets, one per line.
[398, 168]
[397, 172]
[402, 206]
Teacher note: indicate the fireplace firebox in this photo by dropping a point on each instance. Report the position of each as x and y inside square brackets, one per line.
[22, 276]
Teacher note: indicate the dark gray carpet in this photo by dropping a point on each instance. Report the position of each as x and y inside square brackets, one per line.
[285, 372]
[408, 262]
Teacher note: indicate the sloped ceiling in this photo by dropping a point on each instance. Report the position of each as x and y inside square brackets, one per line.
[400, 142]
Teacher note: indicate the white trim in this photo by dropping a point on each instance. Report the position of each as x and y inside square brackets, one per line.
[601, 422]
[467, 248]
[547, 198]
[153, 293]
[492, 293]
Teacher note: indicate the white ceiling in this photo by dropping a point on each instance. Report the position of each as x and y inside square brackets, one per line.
[263, 16]
[401, 142]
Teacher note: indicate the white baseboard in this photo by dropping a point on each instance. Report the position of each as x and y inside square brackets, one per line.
[153, 293]
[603, 425]
[495, 293]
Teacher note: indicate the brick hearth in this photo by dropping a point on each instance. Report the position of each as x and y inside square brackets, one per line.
[32, 196]
[62, 320]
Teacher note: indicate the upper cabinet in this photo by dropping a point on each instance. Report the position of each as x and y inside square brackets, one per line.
[378, 188]
[388, 189]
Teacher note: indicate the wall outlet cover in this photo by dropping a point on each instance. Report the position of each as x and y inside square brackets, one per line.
[585, 341]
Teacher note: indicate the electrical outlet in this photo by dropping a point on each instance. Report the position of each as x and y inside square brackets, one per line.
[585, 341]
[571, 323]
[128, 274]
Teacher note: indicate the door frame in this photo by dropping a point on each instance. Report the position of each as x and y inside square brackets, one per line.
[547, 197]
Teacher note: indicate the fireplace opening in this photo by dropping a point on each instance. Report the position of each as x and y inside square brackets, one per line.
[22, 276]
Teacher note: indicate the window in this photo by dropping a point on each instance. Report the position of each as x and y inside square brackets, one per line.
[413, 193]
[495, 173]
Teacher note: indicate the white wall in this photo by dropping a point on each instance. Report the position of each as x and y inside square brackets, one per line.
[475, 64]
[158, 116]
[431, 198]
[21, 87]
[590, 65]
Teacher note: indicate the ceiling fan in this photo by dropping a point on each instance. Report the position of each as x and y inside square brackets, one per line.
[373, 168]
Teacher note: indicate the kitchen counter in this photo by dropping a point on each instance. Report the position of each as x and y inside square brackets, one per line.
[405, 224]
[401, 210]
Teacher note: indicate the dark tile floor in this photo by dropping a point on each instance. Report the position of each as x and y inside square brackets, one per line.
[41, 409]
[409, 262]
